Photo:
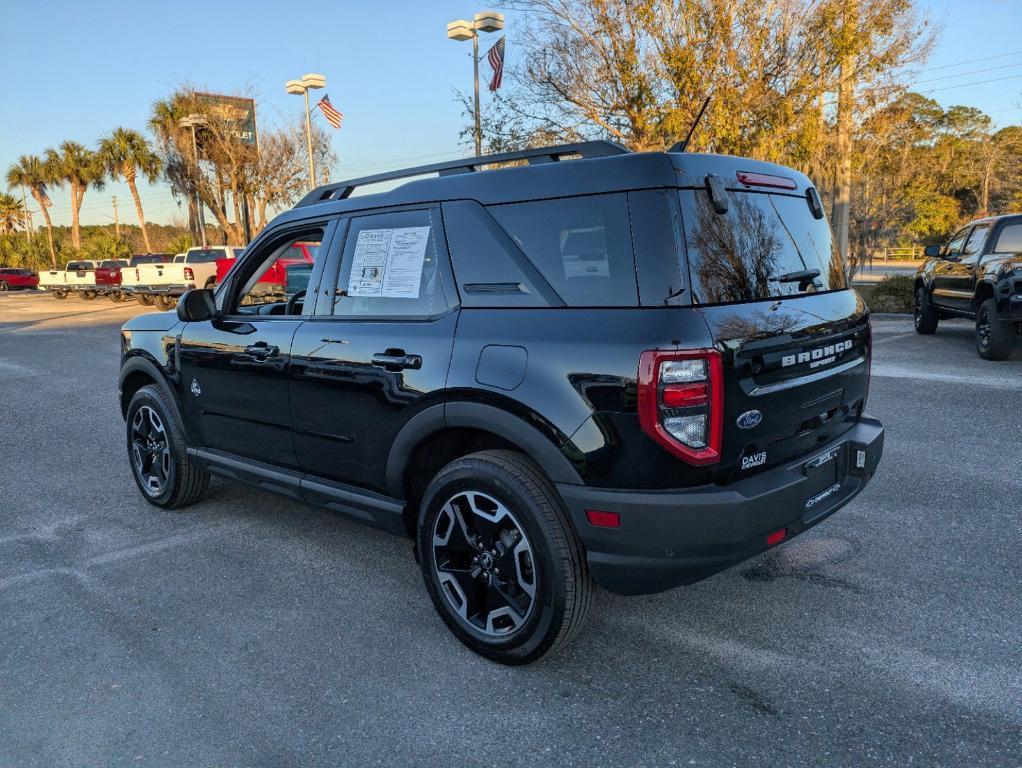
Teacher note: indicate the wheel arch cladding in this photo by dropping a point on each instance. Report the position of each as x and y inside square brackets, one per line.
[138, 372]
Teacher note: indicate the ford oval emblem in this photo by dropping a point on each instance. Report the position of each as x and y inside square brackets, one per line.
[749, 419]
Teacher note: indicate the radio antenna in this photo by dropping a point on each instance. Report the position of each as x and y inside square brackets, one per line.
[682, 145]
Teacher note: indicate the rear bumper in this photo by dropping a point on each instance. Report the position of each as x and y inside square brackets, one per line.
[675, 537]
[165, 290]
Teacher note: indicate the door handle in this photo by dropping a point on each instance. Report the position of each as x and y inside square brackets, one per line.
[396, 360]
[262, 349]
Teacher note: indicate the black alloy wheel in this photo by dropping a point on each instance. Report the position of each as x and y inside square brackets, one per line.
[150, 452]
[485, 563]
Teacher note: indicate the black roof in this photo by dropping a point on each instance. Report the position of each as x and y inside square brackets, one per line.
[603, 167]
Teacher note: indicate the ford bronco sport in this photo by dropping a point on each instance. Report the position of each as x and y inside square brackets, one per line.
[978, 276]
[633, 369]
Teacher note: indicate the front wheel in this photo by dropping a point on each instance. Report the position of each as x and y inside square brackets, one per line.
[501, 562]
[994, 339]
[3, 286]
[924, 313]
[158, 453]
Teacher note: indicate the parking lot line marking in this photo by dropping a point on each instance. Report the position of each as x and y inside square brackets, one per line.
[892, 338]
[886, 370]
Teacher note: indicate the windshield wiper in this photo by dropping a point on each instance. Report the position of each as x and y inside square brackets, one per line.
[804, 278]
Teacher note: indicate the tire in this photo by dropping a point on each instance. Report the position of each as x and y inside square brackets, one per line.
[157, 452]
[506, 499]
[116, 297]
[210, 284]
[924, 313]
[145, 298]
[88, 295]
[60, 295]
[165, 302]
[995, 339]
[3, 286]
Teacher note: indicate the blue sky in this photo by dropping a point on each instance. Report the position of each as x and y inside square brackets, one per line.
[85, 66]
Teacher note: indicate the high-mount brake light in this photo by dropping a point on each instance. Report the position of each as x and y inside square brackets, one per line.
[765, 180]
[681, 402]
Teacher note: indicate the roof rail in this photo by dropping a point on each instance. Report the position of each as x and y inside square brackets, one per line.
[585, 149]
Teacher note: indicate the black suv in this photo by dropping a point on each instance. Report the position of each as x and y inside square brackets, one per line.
[636, 369]
[978, 276]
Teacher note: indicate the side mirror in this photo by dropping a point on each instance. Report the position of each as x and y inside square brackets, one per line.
[196, 305]
[932, 251]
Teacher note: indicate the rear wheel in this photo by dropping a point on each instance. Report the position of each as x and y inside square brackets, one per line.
[501, 562]
[116, 296]
[3, 286]
[145, 298]
[924, 313]
[165, 302]
[60, 295]
[158, 454]
[89, 295]
[995, 339]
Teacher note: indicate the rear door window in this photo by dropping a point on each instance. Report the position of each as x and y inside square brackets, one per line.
[581, 245]
[757, 249]
[1010, 239]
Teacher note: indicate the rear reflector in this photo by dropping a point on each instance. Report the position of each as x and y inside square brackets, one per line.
[602, 519]
[685, 395]
[777, 537]
[765, 180]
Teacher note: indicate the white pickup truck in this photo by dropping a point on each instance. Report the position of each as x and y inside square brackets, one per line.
[165, 282]
[131, 275]
[77, 276]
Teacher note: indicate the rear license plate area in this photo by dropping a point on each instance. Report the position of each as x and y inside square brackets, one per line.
[824, 474]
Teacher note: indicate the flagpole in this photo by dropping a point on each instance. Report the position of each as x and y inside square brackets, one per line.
[475, 73]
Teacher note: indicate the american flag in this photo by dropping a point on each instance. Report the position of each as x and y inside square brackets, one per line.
[329, 112]
[496, 59]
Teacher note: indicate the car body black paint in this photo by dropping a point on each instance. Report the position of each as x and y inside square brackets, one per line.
[317, 418]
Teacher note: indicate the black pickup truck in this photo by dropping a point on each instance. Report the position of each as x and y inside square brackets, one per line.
[977, 275]
[633, 368]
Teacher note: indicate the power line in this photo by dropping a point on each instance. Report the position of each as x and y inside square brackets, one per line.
[971, 61]
[978, 82]
[970, 72]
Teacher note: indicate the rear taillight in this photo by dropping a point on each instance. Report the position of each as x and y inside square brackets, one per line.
[681, 402]
[869, 364]
[189, 275]
[138, 276]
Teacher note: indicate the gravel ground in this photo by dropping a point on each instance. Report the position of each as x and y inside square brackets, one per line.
[254, 631]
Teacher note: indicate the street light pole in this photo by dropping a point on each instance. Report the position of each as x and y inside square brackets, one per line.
[303, 86]
[462, 29]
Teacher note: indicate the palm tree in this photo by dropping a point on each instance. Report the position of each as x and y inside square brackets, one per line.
[125, 154]
[80, 168]
[33, 174]
[12, 214]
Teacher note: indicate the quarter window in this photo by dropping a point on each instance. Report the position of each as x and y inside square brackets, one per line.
[581, 245]
[1010, 239]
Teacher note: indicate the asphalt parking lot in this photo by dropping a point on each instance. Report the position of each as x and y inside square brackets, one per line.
[254, 631]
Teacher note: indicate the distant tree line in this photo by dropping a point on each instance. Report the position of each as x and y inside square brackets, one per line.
[221, 171]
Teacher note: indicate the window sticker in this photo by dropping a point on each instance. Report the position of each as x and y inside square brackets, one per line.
[389, 262]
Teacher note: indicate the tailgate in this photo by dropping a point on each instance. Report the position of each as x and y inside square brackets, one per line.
[796, 374]
[157, 274]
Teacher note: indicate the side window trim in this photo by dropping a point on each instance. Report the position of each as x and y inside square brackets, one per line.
[226, 295]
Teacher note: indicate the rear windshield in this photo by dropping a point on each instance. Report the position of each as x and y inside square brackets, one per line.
[210, 254]
[152, 258]
[760, 249]
[79, 265]
[113, 264]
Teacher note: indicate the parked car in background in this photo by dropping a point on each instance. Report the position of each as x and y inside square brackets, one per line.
[978, 276]
[178, 258]
[165, 282]
[286, 276]
[108, 278]
[130, 274]
[12, 279]
[76, 277]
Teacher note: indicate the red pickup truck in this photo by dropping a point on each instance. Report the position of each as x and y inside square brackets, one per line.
[286, 276]
[108, 278]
